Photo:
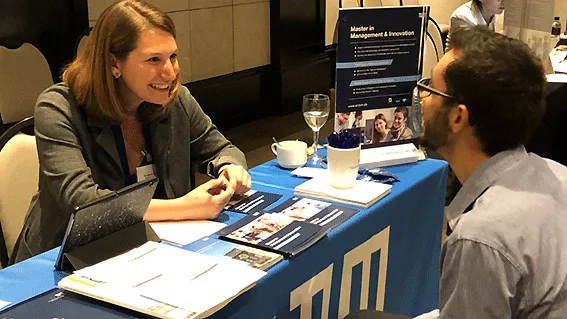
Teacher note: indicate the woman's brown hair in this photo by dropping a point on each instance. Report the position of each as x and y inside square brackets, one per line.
[116, 33]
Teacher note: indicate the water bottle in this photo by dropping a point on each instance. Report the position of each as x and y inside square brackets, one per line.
[556, 27]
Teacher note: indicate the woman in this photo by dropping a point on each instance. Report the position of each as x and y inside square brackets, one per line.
[476, 12]
[118, 113]
[399, 130]
[380, 130]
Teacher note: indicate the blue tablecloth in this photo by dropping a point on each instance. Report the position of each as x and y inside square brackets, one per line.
[386, 256]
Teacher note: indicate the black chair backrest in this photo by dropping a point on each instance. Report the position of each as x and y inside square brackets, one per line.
[24, 126]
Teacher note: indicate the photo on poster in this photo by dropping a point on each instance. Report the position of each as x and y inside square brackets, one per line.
[383, 125]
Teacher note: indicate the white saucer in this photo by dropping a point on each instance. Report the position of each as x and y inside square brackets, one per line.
[293, 166]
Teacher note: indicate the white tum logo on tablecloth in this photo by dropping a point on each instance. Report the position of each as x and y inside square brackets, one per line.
[362, 254]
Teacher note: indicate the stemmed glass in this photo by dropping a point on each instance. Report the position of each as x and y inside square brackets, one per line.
[315, 111]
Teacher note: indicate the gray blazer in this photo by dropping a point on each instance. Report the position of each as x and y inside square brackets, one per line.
[79, 160]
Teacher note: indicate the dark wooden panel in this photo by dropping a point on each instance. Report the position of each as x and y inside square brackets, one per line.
[52, 26]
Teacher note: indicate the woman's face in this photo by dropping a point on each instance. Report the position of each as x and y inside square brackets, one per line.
[149, 71]
[492, 6]
[380, 125]
[399, 120]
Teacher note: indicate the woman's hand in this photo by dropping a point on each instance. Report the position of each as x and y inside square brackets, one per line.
[204, 202]
[238, 177]
[211, 197]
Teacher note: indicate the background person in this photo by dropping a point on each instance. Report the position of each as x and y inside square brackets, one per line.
[380, 130]
[475, 13]
[399, 130]
[120, 107]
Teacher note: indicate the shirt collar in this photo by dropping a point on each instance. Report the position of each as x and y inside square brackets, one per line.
[480, 19]
[482, 178]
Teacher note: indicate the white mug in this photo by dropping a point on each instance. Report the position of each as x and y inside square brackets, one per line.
[343, 166]
[290, 154]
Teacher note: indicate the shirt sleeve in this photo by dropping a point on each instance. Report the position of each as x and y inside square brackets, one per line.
[210, 150]
[477, 281]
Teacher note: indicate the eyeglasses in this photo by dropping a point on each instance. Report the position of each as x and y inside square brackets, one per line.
[424, 90]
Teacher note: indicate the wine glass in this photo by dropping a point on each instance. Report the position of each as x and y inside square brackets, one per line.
[315, 111]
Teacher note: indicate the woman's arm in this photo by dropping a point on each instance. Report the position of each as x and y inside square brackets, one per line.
[204, 202]
[57, 121]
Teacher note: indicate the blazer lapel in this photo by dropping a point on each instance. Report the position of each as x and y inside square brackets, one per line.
[102, 133]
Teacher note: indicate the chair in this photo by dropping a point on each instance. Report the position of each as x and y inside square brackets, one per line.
[81, 41]
[25, 74]
[434, 33]
[19, 179]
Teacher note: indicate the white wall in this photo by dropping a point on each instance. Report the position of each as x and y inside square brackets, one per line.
[214, 37]
[561, 11]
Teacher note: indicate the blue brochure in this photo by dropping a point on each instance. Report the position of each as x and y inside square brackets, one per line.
[277, 233]
[316, 212]
[255, 258]
[251, 202]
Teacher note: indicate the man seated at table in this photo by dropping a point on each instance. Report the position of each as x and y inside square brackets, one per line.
[507, 255]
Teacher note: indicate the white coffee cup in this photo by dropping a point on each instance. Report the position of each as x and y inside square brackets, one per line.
[343, 166]
[290, 154]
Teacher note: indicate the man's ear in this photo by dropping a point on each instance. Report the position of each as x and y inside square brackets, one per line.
[459, 118]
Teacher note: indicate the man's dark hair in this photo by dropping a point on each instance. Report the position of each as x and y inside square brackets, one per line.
[403, 110]
[500, 82]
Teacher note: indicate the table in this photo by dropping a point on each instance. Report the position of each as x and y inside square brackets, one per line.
[385, 257]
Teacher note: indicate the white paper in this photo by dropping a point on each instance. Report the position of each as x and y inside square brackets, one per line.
[390, 155]
[164, 281]
[146, 263]
[185, 232]
[4, 303]
[557, 78]
[309, 172]
[558, 58]
[363, 193]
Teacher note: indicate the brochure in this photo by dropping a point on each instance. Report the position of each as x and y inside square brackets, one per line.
[251, 202]
[274, 232]
[255, 258]
[316, 212]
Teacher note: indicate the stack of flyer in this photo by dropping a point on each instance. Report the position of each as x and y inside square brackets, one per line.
[289, 228]
[390, 155]
[164, 281]
[362, 194]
